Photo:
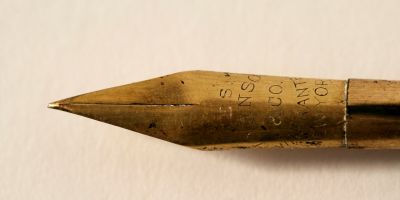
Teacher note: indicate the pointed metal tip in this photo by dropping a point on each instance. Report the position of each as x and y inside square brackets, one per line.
[54, 105]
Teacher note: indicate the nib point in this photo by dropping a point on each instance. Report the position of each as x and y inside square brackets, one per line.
[53, 105]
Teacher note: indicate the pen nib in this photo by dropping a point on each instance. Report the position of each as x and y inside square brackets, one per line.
[213, 110]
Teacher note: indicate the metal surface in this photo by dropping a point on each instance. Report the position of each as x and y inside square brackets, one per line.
[215, 110]
[374, 114]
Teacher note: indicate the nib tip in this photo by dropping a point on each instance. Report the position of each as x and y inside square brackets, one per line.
[53, 105]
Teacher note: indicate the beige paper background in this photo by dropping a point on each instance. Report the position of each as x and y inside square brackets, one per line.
[59, 48]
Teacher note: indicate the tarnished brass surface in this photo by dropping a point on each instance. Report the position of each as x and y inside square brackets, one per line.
[215, 110]
[374, 114]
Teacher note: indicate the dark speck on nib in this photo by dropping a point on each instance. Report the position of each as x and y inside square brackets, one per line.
[152, 125]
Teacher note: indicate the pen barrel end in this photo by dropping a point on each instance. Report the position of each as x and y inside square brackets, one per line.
[373, 114]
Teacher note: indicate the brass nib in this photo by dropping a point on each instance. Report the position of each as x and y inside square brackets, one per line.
[215, 110]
